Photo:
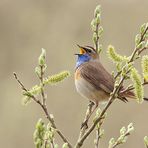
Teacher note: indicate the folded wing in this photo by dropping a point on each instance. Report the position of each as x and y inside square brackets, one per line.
[97, 76]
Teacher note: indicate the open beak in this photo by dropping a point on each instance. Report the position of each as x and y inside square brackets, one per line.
[77, 54]
[82, 50]
[79, 46]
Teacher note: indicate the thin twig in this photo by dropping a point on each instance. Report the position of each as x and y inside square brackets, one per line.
[118, 142]
[98, 134]
[142, 36]
[117, 75]
[52, 144]
[42, 88]
[44, 108]
[138, 49]
[97, 40]
[97, 138]
[86, 119]
[45, 143]
[26, 90]
[135, 51]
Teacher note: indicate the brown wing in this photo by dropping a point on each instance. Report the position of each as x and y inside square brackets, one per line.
[97, 76]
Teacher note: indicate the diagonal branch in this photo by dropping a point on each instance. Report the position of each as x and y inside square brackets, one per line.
[88, 114]
[98, 134]
[44, 108]
[113, 96]
[111, 100]
[139, 50]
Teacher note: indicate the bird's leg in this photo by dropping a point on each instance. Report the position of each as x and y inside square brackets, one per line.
[89, 112]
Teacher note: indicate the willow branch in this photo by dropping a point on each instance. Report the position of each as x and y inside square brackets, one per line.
[137, 50]
[97, 40]
[97, 138]
[45, 143]
[98, 134]
[44, 108]
[119, 141]
[42, 88]
[141, 50]
[52, 144]
[113, 96]
[88, 114]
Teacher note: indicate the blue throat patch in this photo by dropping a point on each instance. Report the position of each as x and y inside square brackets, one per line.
[82, 59]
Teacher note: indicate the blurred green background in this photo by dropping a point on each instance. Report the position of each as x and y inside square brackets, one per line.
[28, 25]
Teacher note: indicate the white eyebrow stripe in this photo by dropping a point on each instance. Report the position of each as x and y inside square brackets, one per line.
[91, 48]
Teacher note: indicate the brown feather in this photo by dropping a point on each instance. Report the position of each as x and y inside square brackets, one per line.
[101, 79]
[97, 76]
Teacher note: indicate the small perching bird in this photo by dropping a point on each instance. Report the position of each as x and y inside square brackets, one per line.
[92, 80]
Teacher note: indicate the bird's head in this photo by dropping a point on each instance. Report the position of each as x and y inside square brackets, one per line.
[86, 54]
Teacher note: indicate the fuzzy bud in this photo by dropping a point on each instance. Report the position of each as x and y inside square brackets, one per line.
[65, 145]
[144, 64]
[113, 55]
[39, 134]
[57, 77]
[130, 128]
[42, 57]
[146, 141]
[100, 31]
[122, 130]
[143, 27]
[93, 26]
[137, 39]
[111, 142]
[141, 45]
[98, 19]
[136, 78]
[100, 48]
[35, 90]
[95, 37]
[101, 133]
[26, 100]
[97, 10]
[38, 71]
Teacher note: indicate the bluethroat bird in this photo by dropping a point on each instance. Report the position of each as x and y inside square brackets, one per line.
[92, 80]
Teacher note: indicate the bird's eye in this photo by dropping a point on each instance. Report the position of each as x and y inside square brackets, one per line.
[89, 51]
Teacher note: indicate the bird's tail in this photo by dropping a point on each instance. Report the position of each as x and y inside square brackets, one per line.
[131, 95]
[145, 99]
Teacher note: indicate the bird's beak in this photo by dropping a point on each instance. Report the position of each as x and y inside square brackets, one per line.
[77, 54]
[82, 50]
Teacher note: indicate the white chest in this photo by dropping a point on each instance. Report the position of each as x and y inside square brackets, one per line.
[89, 92]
